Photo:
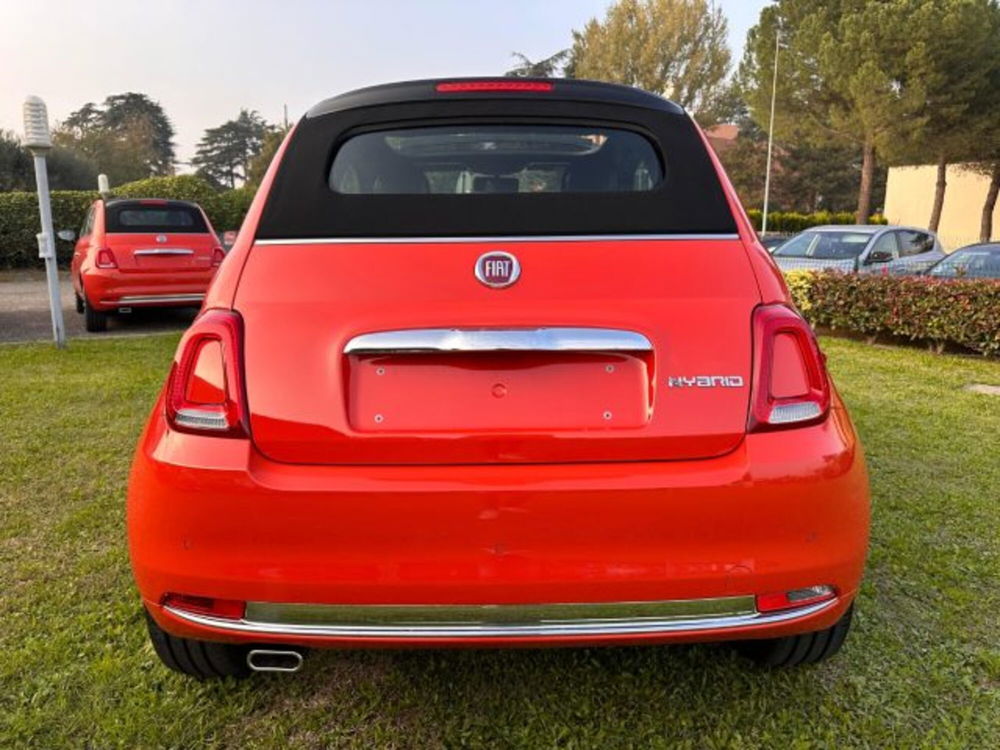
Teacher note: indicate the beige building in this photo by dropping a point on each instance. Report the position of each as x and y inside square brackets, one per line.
[909, 197]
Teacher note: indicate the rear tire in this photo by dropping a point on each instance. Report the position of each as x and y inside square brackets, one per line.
[94, 321]
[794, 650]
[199, 659]
[79, 302]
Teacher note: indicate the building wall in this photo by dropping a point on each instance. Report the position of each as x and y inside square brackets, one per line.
[909, 197]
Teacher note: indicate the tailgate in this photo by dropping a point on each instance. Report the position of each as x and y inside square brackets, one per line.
[393, 353]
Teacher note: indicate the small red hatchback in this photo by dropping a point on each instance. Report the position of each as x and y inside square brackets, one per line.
[142, 253]
[494, 363]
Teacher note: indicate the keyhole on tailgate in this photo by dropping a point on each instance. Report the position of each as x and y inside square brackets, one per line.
[499, 390]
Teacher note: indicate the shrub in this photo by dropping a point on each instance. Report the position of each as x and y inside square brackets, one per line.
[964, 312]
[791, 222]
[19, 224]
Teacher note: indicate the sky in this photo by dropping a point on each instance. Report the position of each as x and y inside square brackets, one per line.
[205, 59]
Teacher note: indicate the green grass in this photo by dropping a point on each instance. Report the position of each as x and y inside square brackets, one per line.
[922, 667]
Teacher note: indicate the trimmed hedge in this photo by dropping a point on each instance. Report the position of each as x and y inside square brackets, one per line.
[790, 222]
[965, 312]
[19, 213]
[19, 223]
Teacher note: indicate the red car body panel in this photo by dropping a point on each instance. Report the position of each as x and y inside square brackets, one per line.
[151, 269]
[544, 502]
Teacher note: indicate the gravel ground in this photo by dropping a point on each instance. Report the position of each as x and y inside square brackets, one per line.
[24, 312]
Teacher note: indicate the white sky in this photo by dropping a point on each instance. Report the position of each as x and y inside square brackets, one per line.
[204, 59]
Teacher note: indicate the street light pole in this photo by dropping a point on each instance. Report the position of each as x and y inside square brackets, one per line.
[770, 137]
[39, 141]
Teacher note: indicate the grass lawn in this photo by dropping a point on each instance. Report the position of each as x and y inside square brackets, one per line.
[921, 668]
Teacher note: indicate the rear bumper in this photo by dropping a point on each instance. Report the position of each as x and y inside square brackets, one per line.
[110, 289]
[490, 555]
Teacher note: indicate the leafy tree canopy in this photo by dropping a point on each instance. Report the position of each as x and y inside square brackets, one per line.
[225, 153]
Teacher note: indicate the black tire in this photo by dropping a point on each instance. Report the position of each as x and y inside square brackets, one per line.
[199, 659]
[94, 321]
[793, 650]
[79, 302]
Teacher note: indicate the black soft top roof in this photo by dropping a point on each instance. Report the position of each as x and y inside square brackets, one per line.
[563, 89]
[169, 203]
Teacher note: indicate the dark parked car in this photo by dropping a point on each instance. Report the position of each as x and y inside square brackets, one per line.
[981, 261]
[861, 248]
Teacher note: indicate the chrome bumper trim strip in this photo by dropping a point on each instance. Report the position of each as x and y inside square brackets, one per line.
[140, 299]
[505, 239]
[499, 339]
[499, 621]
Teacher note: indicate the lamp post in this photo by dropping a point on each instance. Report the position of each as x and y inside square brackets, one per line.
[770, 137]
[38, 140]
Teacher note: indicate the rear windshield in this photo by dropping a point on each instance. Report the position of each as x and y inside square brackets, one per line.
[973, 263]
[475, 159]
[825, 245]
[140, 218]
[495, 168]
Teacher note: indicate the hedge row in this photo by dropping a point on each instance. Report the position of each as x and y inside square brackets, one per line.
[965, 312]
[19, 221]
[790, 222]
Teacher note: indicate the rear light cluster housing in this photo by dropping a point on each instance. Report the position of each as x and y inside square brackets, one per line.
[205, 392]
[790, 384]
[105, 258]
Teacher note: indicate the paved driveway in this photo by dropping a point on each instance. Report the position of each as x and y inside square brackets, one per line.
[24, 312]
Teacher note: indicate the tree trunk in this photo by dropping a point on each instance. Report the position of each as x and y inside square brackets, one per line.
[986, 226]
[867, 178]
[939, 187]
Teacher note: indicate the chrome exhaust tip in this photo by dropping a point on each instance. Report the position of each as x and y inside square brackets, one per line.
[274, 660]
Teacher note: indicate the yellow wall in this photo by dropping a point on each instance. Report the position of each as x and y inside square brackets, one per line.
[909, 196]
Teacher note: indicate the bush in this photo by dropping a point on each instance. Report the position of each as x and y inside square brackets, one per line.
[791, 222]
[19, 223]
[965, 312]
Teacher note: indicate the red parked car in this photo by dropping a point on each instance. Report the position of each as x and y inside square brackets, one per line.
[142, 253]
[496, 363]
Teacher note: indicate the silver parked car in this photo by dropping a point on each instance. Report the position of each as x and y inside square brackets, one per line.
[980, 261]
[861, 248]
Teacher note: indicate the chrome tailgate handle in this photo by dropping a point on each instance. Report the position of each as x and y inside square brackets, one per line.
[552, 339]
[165, 251]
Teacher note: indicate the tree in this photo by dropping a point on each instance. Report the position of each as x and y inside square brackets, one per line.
[550, 67]
[852, 72]
[66, 169]
[129, 137]
[225, 152]
[963, 53]
[675, 48]
[262, 160]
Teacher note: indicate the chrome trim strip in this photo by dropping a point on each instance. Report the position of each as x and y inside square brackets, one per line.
[139, 299]
[165, 251]
[493, 621]
[499, 339]
[504, 239]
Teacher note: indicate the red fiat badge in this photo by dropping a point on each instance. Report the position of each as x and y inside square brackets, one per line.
[497, 269]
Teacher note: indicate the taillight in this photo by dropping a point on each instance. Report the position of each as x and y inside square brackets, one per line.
[487, 86]
[790, 384]
[230, 609]
[218, 255]
[105, 259]
[795, 598]
[205, 388]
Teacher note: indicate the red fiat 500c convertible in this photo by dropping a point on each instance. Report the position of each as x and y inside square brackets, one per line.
[142, 253]
[496, 363]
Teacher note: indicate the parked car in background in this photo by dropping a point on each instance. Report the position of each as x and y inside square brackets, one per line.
[979, 261]
[559, 399]
[864, 248]
[141, 253]
[772, 242]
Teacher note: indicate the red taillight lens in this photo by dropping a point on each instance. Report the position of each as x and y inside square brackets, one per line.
[486, 86]
[205, 388]
[796, 598]
[105, 259]
[230, 609]
[790, 384]
[218, 255]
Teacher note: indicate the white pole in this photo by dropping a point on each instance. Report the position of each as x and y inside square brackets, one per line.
[770, 137]
[39, 141]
